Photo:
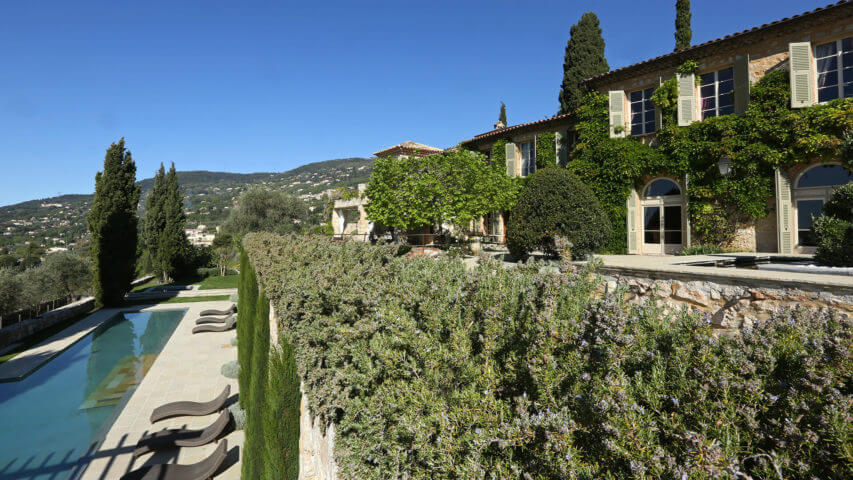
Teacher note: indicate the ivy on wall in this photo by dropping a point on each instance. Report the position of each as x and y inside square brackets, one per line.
[546, 153]
[768, 135]
[499, 152]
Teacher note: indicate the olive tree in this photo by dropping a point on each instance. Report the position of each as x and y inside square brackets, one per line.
[262, 210]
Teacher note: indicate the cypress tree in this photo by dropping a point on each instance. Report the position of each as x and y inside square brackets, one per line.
[112, 223]
[155, 219]
[683, 32]
[502, 116]
[173, 244]
[584, 59]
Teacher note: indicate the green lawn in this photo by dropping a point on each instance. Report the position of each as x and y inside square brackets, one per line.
[155, 301]
[148, 284]
[228, 281]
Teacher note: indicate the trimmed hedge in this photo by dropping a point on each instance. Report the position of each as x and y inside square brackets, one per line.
[269, 388]
[554, 202]
[433, 371]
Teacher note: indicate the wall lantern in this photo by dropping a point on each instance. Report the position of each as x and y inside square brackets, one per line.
[725, 165]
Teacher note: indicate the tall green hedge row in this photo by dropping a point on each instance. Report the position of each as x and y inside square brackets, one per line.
[269, 388]
[432, 371]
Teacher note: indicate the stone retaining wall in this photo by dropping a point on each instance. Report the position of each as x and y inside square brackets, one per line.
[316, 450]
[731, 304]
[19, 331]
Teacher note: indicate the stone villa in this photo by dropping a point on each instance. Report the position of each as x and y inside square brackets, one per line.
[816, 47]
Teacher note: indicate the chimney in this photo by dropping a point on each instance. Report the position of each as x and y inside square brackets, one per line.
[499, 125]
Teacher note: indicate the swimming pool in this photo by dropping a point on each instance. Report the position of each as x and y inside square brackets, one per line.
[50, 419]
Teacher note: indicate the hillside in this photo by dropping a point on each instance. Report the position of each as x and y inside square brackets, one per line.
[208, 197]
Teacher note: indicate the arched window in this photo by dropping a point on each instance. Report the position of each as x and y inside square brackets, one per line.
[661, 188]
[812, 189]
[824, 176]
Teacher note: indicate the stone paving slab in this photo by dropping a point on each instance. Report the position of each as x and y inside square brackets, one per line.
[188, 368]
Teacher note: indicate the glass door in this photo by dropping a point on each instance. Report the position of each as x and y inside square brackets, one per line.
[661, 227]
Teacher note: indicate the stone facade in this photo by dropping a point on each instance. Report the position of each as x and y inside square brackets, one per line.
[730, 304]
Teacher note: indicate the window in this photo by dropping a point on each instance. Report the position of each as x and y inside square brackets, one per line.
[528, 158]
[716, 91]
[642, 112]
[812, 190]
[661, 188]
[834, 69]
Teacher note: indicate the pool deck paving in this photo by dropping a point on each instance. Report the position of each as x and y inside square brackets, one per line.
[188, 368]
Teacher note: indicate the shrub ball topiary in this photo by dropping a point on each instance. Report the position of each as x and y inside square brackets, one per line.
[840, 205]
[238, 415]
[230, 369]
[833, 230]
[555, 202]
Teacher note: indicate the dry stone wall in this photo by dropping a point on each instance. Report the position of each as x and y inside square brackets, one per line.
[729, 304]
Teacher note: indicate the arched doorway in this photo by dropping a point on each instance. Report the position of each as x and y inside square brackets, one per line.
[662, 217]
[812, 189]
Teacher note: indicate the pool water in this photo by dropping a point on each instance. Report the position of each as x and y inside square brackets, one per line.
[50, 419]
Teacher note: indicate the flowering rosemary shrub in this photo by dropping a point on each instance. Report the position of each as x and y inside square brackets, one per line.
[432, 371]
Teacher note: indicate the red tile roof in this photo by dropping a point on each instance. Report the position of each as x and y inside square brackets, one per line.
[501, 131]
[686, 53]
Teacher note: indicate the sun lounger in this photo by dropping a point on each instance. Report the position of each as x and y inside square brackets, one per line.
[216, 328]
[194, 409]
[182, 437]
[202, 470]
[229, 311]
[204, 320]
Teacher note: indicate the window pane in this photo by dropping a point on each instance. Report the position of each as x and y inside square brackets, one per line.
[636, 96]
[725, 87]
[827, 79]
[672, 217]
[647, 105]
[636, 118]
[652, 218]
[707, 79]
[649, 116]
[648, 92]
[806, 209]
[652, 237]
[672, 238]
[662, 187]
[725, 74]
[806, 239]
[847, 60]
[709, 114]
[827, 94]
[848, 90]
[727, 110]
[847, 44]
[707, 91]
[650, 126]
[825, 50]
[725, 99]
[709, 103]
[847, 75]
[827, 64]
[824, 176]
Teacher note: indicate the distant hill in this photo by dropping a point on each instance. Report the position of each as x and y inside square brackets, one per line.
[208, 196]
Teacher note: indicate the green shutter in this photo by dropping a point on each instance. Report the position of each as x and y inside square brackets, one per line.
[741, 74]
[686, 99]
[561, 147]
[510, 159]
[658, 114]
[633, 206]
[800, 60]
[617, 113]
[784, 220]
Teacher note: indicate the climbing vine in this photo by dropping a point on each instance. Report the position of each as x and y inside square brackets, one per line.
[546, 153]
[768, 135]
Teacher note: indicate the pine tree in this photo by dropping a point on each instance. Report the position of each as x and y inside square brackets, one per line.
[112, 223]
[173, 246]
[155, 219]
[584, 59]
[683, 32]
[502, 116]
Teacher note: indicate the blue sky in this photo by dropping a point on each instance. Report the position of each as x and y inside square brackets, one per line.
[247, 86]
